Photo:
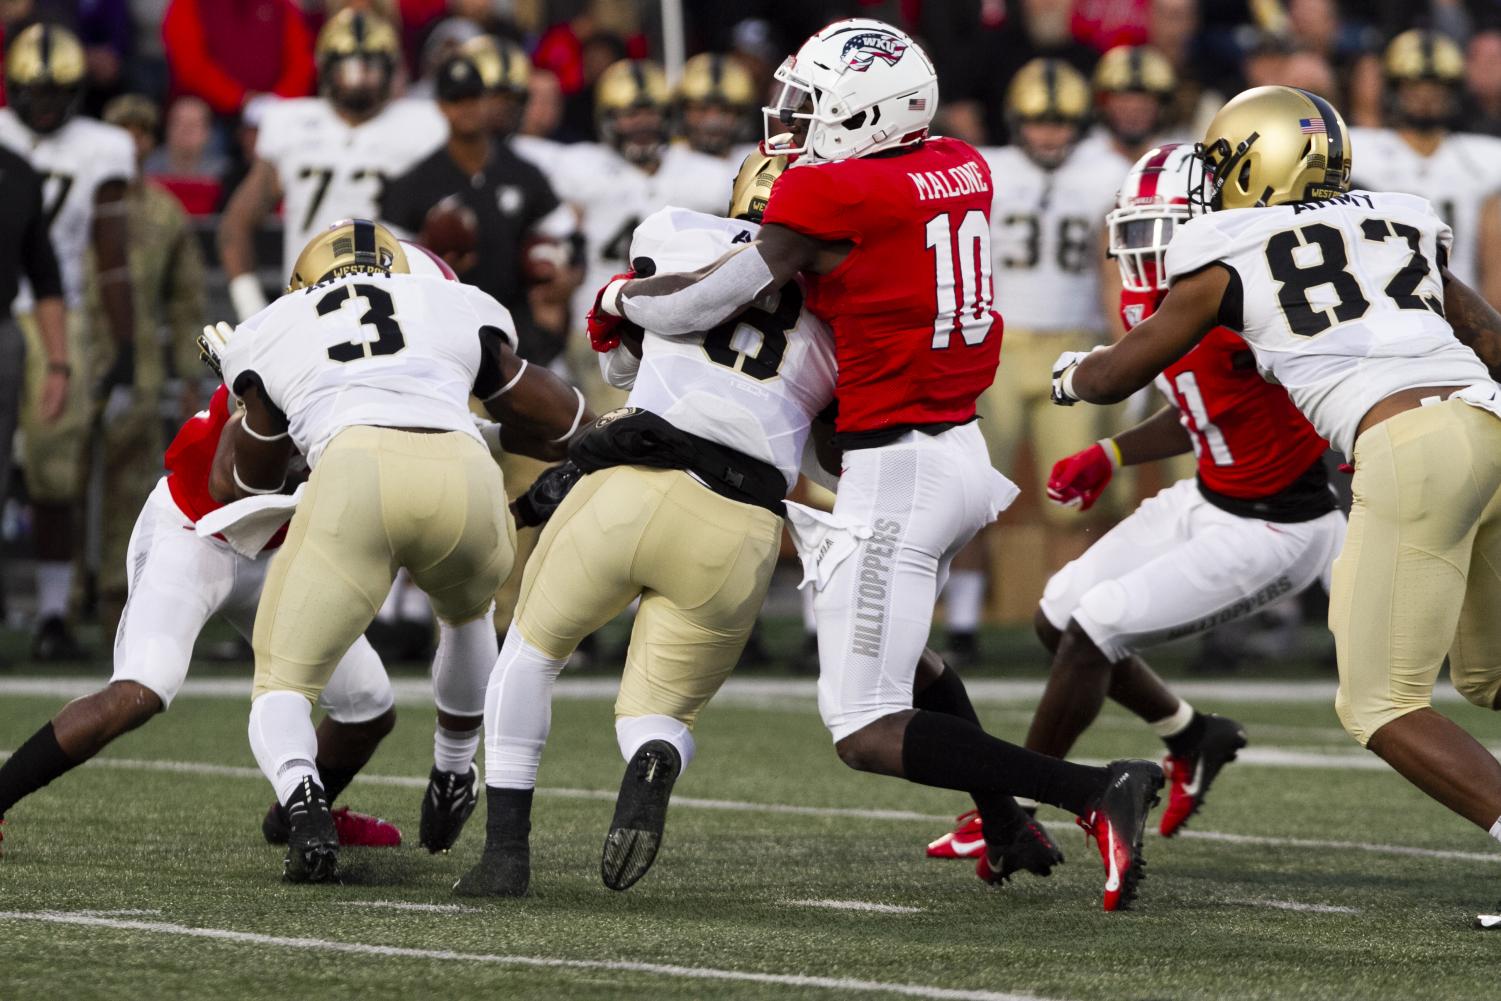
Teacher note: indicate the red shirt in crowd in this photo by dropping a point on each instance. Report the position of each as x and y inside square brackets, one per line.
[225, 50]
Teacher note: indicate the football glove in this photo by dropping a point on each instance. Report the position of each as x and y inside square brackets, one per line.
[543, 497]
[212, 344]
[1063, 376]
[1078, 480]
[604, 333]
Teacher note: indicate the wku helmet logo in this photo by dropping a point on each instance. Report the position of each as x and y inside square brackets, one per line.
[865, 48]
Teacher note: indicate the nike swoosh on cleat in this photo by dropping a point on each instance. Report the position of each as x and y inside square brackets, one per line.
[1192, 788]
[965, 846]
[1113, 880]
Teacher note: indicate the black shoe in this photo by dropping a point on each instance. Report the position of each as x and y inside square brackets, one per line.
[640, 813]
[500, 872]
[312, 841]
[275, 827]
[447, 804]
[1192, 774]
[53, 641]
[1030, 849]
[1117, 823]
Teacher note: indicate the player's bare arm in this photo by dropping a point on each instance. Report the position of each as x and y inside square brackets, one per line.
[1475, 321]
[538, 412]
[254, 450]
[1160, 436]
[1190, 310]
[1490, 249]
[689, 302]
[51, 322]
[257, 194]
[111, 239]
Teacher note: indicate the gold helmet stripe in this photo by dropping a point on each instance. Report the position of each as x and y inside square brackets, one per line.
[1138, 71]
[1334, 136]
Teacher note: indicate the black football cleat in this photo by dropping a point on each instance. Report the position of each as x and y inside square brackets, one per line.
[446, 806]
[312, 841]
[640, 814]
[1191, 775]
[53, 642]
[500, 872]
[1030, 849]
[1117, 823]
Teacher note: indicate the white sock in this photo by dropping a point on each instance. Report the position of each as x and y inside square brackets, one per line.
[453, 750]
[283, 740]
[631, 732]
[964, 599]
[54, 582]
[1496, 829]
[810, 621]
[463, 664]
[518, 712]
[1171, 726]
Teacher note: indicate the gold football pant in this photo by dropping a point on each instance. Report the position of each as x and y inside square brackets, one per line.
[53, 454]
[380, 500]
[701, 564]
[1419, 576]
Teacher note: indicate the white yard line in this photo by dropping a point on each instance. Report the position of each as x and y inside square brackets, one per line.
[403, 905]
[857, 905]
[853, 813]
[769, 692]
[844, 984]
[1293, 905]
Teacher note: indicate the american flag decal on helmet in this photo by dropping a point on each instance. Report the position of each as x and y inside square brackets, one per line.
[917, 104]
[1311, 126]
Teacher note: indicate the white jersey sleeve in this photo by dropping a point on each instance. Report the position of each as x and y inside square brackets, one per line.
[754, 383]
[1341, 300]
[387, 351]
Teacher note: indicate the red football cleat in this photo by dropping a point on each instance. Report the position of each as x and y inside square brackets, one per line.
[360, 830]
[1192, 775]
[1117, 824]
[966, 840]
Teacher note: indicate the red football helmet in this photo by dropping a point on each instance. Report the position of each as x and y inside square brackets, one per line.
[1152, 200]
[421, 261]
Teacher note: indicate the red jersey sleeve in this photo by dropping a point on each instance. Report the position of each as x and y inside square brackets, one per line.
[814, 201]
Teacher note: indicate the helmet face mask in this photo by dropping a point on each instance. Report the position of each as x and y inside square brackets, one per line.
[631, 104]
[1424, 77]
[638, 133]
[712, 127]
[44, 70]
[45, 107]
[358, 84]
[857, 87]
[713, 103]
[1047, 108]
[356, 54]
[1047, 142]
[1425, 105]
[1152, 202]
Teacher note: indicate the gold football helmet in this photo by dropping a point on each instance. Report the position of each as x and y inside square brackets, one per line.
[633, 85]
[357, 53]
[1423, 55]
[348, 247]
[44, 76]
[1047, 91]
[752, 187]
[503, 65]
[1271, 146]
[1135, 68]
[713, 101]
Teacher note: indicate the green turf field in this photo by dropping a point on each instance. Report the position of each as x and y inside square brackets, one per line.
[1310, 875]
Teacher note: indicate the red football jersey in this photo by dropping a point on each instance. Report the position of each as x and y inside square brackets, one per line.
[914, 334]
[190, 458]
[1250, 440]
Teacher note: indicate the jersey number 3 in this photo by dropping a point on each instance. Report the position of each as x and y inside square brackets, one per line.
[961, 265]
[380, 314]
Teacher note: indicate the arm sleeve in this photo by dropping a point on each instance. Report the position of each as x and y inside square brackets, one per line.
[812, 200]
[192, 69]
[297, 71]
[619, 367]
[707, 302]
[37, 252]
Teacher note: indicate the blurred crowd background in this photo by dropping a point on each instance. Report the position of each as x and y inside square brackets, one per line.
[574, 156]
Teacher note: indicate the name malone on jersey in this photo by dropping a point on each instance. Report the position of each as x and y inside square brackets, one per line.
[965, 179]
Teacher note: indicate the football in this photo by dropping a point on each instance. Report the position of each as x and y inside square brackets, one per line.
[450, 229]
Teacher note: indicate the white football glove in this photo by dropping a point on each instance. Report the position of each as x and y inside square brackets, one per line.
[1063, 375]
[490, 432]
[212, 344]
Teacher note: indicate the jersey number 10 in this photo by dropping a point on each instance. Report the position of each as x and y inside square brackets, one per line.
[962, 275]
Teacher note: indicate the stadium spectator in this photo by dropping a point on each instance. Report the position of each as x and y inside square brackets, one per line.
[226, 51]
[187, 148]
[1483, 82]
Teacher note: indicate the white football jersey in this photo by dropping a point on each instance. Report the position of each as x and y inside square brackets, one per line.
[331, 170]
[1341, 299]
[613, 196]
[754, 383]
[73, 161]
[546, 154]
[1461, 174]
[384, 350]
[1047, 236]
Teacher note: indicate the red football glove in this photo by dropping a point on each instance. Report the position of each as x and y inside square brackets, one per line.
[1078, 480]
[604, 327]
